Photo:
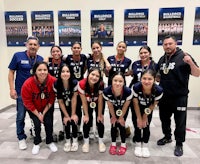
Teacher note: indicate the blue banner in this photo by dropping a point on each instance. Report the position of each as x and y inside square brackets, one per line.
[102, 26]
[69, 27]
[170, 23]
[43, 27]
[16, 28]
[135, 26]
[196, 36]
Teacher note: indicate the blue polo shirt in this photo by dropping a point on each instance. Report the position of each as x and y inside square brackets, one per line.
[22, 64]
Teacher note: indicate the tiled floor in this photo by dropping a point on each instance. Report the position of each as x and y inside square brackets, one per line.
[9, 152]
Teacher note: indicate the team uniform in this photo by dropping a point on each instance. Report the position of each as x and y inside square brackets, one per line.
[23, 65]
[137, 69]
[66, 96]
[174, 80]
[92, 101]
[78, 70]
[118, 103]
[37, 96]
[118, 66]
[144, 102]
[54, 67]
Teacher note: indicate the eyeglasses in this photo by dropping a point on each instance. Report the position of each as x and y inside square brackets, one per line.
[32, 37]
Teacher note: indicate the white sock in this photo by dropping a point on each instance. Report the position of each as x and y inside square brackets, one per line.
[74, 139]
[138, 144]
[145, 145]
[86, 140]
[100, 140]
[68, 140]
[113, 144]
[123, 144]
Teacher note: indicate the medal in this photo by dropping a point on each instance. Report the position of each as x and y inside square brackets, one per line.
[92, 105]
[67, 103]
[42, 95]
[77, 75]
[165, 70]
[31, 71]
[147, 111]
[119, 112]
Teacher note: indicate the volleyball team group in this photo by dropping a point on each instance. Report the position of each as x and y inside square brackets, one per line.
[76, 81]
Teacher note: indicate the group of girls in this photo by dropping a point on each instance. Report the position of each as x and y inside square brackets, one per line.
[77, 94]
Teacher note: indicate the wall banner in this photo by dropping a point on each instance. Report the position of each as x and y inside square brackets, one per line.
[16, 28]
[170, 23]
[102, 26]
[196, 36]
[43, 27]
[69, 27]
[135, 27]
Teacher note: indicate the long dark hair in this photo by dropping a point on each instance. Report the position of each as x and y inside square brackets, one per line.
[36, 65]
[118, 73]
[96, 86]
[60, 82]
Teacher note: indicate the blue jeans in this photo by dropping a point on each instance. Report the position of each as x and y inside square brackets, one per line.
[20, 119]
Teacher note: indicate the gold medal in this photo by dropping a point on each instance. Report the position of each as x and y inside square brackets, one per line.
[77, 75]
[119, 112]
[42, 95]
[147, 111]
[165, 70]
[93, 105]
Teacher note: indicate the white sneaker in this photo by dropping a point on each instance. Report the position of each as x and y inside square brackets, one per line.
[53, 147]
[67, 147]
[22, 144]
[35, 149]
[85, 148]
[102, 147]
[74, 146]
[138, 151]
[145, 152]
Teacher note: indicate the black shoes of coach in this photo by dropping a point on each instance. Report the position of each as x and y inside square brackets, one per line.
[178, 151]
[164, 141]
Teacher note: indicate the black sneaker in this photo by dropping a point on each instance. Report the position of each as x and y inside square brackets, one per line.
[164, 141]
[178, 151]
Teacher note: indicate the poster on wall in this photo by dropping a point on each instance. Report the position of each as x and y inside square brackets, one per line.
[43, 27]
[69, 27]
[170, 23]
[16, 28]
[196, 36]
[102, 26]
[135, 27]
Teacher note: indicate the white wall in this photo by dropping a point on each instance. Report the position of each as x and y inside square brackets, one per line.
[118, 6]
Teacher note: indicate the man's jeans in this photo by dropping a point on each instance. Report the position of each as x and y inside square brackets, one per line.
[20, 120]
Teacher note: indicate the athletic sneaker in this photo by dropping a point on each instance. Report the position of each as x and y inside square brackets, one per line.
[35, 149]
[22, 144]
[164, 141]
[53, 147]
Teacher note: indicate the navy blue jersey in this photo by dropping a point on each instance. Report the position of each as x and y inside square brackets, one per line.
[118, 66]
[175, 82]
[54, 68]
[66, 94]
[117, 102]
[23, 65]
[146, 100]
[137, 69]
[77, 67]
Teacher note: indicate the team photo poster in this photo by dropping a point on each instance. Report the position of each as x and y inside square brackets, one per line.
[136, 26]
[102, 26]
[16, 28]
[170, 23]
[43, 27]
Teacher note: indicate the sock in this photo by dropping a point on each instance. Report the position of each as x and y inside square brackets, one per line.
[113, 144]
[86, 140]
[123, 144]
[145, 144]
[74, 139]
[68, 140]
[100, 140]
